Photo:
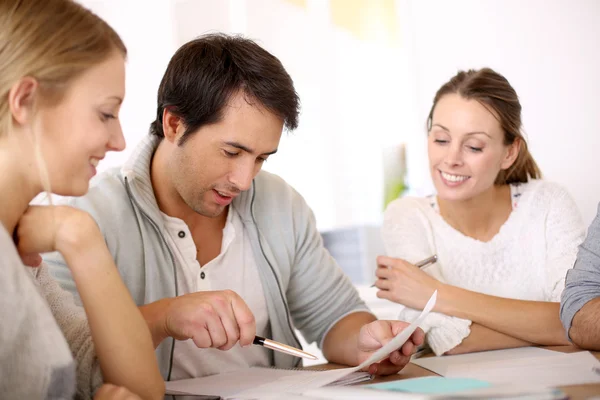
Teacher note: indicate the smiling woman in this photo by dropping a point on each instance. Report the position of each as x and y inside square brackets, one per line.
[62, 80]
[503, 237]
[88, 111]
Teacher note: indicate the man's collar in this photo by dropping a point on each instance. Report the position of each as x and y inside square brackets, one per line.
[136, 173]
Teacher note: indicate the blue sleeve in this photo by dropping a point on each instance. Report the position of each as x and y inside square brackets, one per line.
[583, 281]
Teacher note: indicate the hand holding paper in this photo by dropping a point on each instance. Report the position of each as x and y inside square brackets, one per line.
[378, 333]
[306, 381]
[402, 337]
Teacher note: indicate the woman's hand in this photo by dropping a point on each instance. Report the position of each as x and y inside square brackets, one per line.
[65, 229]
[404, 283]
[113, 392]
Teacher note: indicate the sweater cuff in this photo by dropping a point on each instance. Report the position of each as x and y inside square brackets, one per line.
[432, 320]
[445, 337]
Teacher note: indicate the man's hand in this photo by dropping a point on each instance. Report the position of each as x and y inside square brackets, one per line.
[376, 334]
[216, 319]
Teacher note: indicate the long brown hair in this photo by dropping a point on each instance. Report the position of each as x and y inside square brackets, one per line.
[495, 93]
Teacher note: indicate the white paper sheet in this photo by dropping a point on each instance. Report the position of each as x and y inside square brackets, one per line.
[360, 393]
[440, 365]
[560, 369]
[255, 383]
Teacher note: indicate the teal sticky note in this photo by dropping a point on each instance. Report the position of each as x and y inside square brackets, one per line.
[431, 385]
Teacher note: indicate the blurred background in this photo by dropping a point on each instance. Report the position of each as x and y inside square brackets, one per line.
[366, 72]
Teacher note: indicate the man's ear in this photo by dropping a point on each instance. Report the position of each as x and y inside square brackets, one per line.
[512, 154]
[21, 99]
[173, 126]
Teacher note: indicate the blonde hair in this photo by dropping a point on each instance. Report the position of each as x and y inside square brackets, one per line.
[494, 91]
[52, 41]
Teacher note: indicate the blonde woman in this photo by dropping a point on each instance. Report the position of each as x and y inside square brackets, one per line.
[61, 86]
[503, 237]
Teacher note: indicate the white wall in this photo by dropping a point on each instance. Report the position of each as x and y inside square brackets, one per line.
[147, 28]
[361, 96]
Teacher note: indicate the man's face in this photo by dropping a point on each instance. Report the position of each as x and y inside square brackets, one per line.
[219, 161]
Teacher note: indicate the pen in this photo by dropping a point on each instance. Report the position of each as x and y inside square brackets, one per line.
[423, 263]
[421, 351]
[284, 348]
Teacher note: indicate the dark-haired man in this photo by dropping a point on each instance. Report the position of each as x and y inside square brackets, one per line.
[213, 250]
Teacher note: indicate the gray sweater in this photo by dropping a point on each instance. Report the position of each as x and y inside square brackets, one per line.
[302, 284]
[41, 329]
[583, 281]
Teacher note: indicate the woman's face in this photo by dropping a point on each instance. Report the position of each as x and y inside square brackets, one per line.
[77, 132]
[466, 148]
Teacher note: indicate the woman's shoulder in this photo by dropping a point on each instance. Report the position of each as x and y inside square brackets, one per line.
[540, 193]
[408, 213]
[409, 205]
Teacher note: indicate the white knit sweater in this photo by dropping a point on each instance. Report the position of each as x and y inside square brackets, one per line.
[527, 259]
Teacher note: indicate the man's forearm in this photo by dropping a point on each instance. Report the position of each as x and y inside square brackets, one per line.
[341, 343]
[585, 328]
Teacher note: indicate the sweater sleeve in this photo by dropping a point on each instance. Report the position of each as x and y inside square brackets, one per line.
[73, 322]
[407, 234]
[406, 231]
[564, 233]
[583, 281]
[442, 332]
[319, 294]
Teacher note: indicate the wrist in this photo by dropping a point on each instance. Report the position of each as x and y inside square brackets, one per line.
[453, 301]
[445, 299]
[155, 316]
[78, 233]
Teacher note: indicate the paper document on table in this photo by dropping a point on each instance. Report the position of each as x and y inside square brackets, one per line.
[560, 369]
[260, 382]
[440, 365]
[300, 383]
[230, 383]
[359, 393]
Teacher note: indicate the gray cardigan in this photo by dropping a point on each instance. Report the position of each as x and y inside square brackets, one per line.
[583, 281]
[303, 286]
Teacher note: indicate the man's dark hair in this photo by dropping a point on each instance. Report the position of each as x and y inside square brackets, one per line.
[205, 73]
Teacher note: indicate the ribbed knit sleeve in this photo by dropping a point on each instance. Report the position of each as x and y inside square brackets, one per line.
[72, 321]
[564, 232]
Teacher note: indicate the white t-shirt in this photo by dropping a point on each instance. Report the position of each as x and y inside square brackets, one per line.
[526, 260]
[234, 269]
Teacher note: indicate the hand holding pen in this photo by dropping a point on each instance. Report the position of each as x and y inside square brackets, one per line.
[405, 283]
[423, 263]
[211, 319]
